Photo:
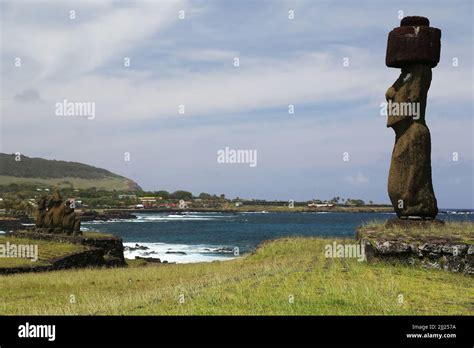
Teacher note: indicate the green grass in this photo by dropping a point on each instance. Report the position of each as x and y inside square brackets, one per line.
[46, 251]
[455, 231]
[259, 284]
[96, 234]
[110, 183]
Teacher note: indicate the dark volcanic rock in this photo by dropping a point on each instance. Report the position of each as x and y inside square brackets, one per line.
[53, 215]
[148, 259]
[413, 45]
[453, 256]
[106, 215]
[102, 251]
[136, 247]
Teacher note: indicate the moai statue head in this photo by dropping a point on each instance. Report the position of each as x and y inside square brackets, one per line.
[414, 42]
[68, 207]
[56, 198]
[42, 203]
[413, 47]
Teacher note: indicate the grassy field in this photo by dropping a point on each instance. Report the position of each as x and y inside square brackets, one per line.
[283, 277]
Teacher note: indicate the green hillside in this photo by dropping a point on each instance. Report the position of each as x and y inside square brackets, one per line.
[43, 172]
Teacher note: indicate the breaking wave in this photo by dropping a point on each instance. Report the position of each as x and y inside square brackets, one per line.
[179, 253]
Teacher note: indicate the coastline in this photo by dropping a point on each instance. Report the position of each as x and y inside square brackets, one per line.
[263, 208]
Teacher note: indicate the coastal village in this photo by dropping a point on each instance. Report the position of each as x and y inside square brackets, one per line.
[21, 200]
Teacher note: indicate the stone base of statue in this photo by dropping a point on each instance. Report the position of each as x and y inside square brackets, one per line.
[45, 230]
[436, 247]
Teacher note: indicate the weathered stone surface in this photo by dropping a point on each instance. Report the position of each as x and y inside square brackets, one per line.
[413, 45]
[388, 248]
[415, 49]
[41, 212]
[55, 216]
[102, 251]
[71, 222]
[148, 259]
[88, 258]
[453, 257]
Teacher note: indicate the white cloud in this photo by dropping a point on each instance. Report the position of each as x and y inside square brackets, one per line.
[358, 179]
[79, 46]
[190, 63]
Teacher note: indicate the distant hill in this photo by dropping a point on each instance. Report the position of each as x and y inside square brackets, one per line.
[60, 173]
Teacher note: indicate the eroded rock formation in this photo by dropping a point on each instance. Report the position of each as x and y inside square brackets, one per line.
[415, 48]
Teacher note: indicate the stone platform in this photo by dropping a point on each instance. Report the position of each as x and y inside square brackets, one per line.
[99, 250]
[441, 251]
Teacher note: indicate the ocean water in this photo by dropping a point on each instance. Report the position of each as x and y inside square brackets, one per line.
[198, 237]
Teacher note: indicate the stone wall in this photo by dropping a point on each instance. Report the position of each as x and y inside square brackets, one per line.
[453, 256]
[11, 224]
[101, 251]
[88, 258]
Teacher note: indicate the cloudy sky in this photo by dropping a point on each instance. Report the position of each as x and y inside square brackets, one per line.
[49, 54]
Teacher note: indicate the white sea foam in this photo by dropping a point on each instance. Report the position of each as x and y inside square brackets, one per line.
[176, 217]
[456, 212]
[180, 253]
[163, 218]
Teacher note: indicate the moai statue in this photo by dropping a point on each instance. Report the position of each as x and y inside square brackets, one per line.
[55, 214]
[41, 214]
[48, 218]
[71, 222]
[414, 47]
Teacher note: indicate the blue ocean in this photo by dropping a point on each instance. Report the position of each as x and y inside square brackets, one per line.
[198, 237]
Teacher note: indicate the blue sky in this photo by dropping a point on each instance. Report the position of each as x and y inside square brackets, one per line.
[190, 61]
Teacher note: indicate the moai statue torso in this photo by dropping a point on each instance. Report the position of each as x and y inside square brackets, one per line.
[40, 213]
[71, 222]
[415, 48]
[54, 217]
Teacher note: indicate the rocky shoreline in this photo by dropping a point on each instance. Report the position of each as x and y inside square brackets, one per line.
[106, 215]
